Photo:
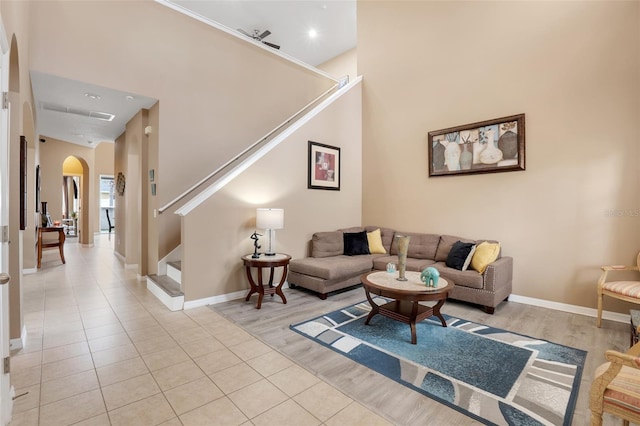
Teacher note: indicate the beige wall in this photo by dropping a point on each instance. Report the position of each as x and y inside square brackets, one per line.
[572, 67]
[170, 232]
[29, 234]
[131, 158]
[15, 21]
[53, 153]
[15, 235]
[219, 94]
[120, 166]
[216, 234]
[133, 189]
[343, 64]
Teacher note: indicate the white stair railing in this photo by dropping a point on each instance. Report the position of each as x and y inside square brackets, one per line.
[253, 146]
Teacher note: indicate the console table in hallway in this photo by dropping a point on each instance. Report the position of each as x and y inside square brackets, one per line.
[49, 243]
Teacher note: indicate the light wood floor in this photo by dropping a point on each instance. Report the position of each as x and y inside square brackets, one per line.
[391, 400]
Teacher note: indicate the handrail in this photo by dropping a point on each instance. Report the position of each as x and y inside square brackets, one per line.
[246, 150]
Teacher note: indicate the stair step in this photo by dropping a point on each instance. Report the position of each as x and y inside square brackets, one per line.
[167, 284]
[177, 264]
[174, 270]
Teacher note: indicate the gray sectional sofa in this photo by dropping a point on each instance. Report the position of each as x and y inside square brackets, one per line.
[327, 269]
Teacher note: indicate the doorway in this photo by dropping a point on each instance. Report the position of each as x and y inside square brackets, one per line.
[70, 204]
[107, 203]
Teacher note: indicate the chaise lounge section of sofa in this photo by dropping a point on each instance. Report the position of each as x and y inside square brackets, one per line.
[328, 269]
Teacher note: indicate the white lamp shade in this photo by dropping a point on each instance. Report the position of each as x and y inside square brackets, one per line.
[270, 219]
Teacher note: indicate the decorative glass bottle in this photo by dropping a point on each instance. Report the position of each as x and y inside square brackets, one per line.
[43, 214]
[403, 247]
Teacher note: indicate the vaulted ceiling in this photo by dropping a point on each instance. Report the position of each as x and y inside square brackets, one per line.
[310, 31]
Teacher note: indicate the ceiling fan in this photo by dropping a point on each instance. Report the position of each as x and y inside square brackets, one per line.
[258, 37]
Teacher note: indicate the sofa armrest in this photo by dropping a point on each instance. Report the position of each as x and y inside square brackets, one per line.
[498, 274]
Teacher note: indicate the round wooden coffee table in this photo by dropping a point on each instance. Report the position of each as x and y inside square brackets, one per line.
[405, 308]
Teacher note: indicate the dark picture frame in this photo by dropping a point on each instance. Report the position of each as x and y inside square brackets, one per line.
[490, 146]
[38, 188]
[23, 183]
[324, 167]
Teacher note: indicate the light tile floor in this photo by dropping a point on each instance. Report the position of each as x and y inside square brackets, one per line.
[100, 350]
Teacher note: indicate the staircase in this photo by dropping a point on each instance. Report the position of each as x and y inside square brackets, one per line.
[167, 287]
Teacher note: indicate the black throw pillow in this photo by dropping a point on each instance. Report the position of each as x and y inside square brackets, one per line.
[356, 243]
[459, 254]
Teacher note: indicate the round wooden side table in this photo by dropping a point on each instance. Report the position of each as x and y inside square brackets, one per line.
[271, 262]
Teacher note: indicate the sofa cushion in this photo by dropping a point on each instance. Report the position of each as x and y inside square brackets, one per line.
[380, 263]
[375, 242]
[460, 255]
[485, 254]
[385, 233]
[330, 268]
[421, 246]
[445, 244]
[355, 243]
[468, 278]
[327, 244]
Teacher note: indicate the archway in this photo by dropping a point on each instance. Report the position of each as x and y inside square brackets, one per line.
[71, 196]
[75, 210]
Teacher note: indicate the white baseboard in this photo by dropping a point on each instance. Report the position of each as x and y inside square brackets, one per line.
[565, 307]
[173, 303]
[87, 245]
[119, 256]
[20, 341]
[215, 299]
[29, 271]
[220, 299]
[130, 266]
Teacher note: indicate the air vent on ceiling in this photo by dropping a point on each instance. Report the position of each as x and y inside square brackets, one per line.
[105, 116]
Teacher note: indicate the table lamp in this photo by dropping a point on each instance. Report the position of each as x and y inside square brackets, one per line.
[270, 220]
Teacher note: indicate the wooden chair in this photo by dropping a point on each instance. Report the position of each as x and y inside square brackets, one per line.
[623, 290]
[616, 387]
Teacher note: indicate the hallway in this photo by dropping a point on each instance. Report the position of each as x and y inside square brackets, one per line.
[102, 350]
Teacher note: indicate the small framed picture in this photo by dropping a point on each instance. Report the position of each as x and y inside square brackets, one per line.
[324, 166]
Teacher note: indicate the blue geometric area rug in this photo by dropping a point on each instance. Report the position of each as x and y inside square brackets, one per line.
[492, 375]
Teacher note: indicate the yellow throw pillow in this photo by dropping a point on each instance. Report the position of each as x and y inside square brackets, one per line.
[375, 242]
[485, 254]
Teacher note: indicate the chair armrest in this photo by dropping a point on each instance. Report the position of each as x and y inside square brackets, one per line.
[616, 361]
[607, 269]
[634, 350]
[618, 268]
[498, 274]
[627, 359]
